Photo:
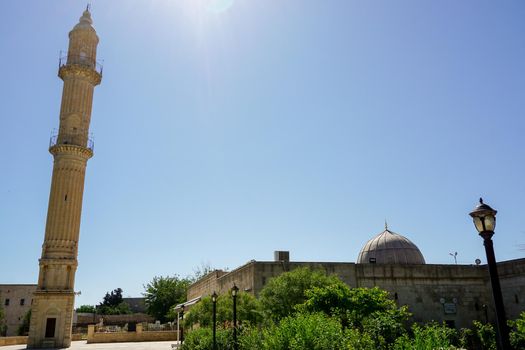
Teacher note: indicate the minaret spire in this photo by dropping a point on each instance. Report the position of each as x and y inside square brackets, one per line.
[71, 147]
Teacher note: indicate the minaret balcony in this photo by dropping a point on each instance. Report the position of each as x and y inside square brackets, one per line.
[75, 139]
[82, 61]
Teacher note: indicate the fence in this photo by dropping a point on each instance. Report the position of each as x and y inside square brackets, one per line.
[115, 335]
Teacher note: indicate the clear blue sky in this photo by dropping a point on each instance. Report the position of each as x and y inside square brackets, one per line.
[227, 129]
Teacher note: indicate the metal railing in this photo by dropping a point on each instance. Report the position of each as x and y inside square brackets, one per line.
[76, 139]
[81, 60]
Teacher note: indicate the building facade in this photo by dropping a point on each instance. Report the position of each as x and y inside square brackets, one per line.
[71, 147]
[16, 301]
[455, 294]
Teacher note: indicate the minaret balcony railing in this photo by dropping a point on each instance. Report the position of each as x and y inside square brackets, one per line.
[76, 139]
[80, 60]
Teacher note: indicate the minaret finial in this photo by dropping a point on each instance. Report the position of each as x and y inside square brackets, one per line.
[88, 6]
[480, 200]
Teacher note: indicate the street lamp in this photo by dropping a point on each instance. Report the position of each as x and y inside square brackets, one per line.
[485, 221]
[235, 290]
[182, 327]
[214, 301]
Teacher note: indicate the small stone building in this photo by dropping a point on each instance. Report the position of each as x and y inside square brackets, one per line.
[455, 294]
[16, 300]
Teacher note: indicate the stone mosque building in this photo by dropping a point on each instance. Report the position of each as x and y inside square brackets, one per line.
[454, 294]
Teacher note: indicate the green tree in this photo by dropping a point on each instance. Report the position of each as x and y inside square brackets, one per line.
[120, 309]
[305, 331]
[86, 309]
[113, 304]
[280, 296]
[429, 337]
[248, 311]
[367, 309]
[3, 326]
[162, 293]
[23, 329]
[112, 299]
[517, 335]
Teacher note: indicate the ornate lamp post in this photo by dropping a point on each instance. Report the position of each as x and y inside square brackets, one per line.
[485, 221]
[235, 290]
[182, 327]
[214, 321]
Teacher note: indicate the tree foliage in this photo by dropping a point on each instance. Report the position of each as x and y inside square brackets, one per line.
[162, 293]
[113, 304]
[517, 336]
[280, 296]
[86, 309]
[112, 299]
[305, 331]
[248, 311]
[3, 326]
[23, 328]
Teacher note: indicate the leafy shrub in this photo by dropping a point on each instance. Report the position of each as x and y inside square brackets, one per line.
[282, 293]
[517, 335]
[305, 331]
[202, 339]
[248, 310]
[429, 337]
[485, 335]
[356, 340]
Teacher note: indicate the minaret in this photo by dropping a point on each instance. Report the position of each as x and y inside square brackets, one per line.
[53, 302]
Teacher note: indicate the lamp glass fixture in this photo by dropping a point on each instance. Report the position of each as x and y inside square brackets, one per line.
[484, 217]
[235, 289]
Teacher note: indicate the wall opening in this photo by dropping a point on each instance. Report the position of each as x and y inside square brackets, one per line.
[50, 327]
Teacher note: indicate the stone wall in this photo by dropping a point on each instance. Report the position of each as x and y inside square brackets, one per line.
[12, 340]
[456, 294]
[137, 336]
[206, 285]
[20, 298]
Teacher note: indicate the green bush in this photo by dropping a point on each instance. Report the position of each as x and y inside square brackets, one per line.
[202, 339]
[281, 295]
[23, 328]
[356, 340]
[432, 336]
[248, 310]
[517, 335]
[305, 332]
[485, 335]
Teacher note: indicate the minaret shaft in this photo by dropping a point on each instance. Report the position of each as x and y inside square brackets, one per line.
[52, 310]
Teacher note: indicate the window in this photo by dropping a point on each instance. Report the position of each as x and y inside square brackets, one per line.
[6, 302]
[372, 260]
[22, 302]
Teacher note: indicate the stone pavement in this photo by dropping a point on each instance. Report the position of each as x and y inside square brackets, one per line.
[82, 345]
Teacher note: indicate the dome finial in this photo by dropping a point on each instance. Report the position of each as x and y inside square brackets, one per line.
[480, 200]
[85, 20]
[386, 225]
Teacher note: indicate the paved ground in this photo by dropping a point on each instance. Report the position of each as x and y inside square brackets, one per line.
[81, 345]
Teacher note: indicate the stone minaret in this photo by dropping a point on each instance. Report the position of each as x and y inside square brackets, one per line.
[53, 302]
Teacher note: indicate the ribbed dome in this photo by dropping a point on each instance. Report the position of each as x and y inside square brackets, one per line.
[390, 248]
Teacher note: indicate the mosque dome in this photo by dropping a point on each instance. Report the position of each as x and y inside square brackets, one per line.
[390, 248]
